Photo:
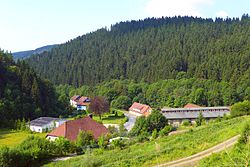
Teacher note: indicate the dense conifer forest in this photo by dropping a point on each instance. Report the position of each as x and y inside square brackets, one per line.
[151, 50]
[23, 94]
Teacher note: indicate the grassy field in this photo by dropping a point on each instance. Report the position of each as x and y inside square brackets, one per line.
[238, 156]
[111, 118]
[162, 149]
[13, 138]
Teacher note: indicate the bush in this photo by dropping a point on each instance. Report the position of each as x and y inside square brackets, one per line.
[143, 136]
[29, 152]
[13, 157]
[186, 123]
[156, 121]
[154, 134]
[103, 141]
[63, 146]
[200, 120]
[84, 139]
[166, 130]
[245, 134]
[240, 109]
[114, 131]
[140, 126]
[122, 130]
[118, 143]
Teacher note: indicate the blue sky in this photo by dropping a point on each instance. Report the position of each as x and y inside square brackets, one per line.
[28, 24]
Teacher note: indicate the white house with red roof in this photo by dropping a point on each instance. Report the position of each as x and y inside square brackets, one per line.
[80, 102]
[140, 109]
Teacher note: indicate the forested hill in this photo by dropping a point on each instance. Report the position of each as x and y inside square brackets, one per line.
[151, 50]
[28, 53]
[23, 94]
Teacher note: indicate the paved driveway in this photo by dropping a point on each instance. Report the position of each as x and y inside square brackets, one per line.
[131, 121]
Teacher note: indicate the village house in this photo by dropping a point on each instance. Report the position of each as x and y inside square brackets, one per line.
[140, 109]
[71, 129]
[176, 116]
[80, 102]
[44, 124]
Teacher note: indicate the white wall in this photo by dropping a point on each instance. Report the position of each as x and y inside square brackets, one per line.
[73, 103]
[135, 113]
[49, 126]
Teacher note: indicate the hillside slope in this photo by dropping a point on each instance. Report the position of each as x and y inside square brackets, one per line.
[151, 50]
[28, 53]
[163, 149]
[23, 94]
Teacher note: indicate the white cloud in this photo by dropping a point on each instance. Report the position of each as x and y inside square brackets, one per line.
[222, 14]
[158, 8]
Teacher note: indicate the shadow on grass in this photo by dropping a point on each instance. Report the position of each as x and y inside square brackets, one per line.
[112, 117]
[4, 132]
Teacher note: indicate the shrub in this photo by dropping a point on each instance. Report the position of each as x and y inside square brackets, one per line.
[200, 119]
[122, 130]
[166, 130]
[118, 143]
[143, 136]
[84, 140]
[186, 123]
[140, 126]
[102, 142]
[154, 134]
[156, 121]
[114, 131]
[29, 152]
[63, 146]
[245, 134]
[240, 109]
[13, 157]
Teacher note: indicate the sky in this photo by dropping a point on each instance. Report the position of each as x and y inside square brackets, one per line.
[29, 24]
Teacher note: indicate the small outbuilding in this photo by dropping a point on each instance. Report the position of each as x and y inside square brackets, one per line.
[44, 124]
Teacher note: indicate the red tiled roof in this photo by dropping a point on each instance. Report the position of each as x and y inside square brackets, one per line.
[143, 108]
[83, 99]
[190, 105]
[75, 97]
[70, 129]
[79, 103]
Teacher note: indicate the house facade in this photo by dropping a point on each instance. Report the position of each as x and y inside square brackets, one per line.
[44, 124]
[80, 102]
[138, 109]
[74, 99]
[71, 129]
[176, 116]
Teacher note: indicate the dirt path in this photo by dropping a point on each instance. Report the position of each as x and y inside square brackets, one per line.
[64, 158]
[194, 159]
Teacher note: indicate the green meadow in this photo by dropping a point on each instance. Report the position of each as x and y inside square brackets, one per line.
[12, 138]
